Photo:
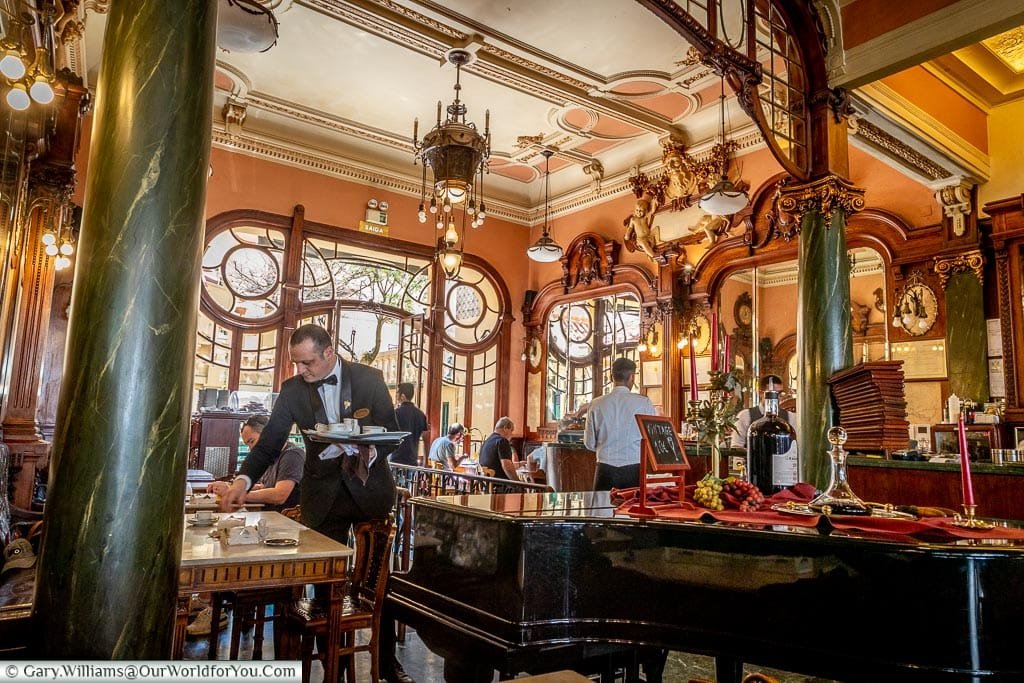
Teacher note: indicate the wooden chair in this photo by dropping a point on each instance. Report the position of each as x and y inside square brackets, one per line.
[306, 620]
[249, 608]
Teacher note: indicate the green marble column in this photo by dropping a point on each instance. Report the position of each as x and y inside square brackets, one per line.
[824, 334]
[107, 576]
[966, 340]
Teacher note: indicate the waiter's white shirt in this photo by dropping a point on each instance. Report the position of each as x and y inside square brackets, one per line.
[611, 429]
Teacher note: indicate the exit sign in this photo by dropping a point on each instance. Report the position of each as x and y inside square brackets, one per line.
[373, 228]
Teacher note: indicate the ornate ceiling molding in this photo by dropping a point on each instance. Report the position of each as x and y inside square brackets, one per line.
[423, 34]
[898, 150]
[337, 167]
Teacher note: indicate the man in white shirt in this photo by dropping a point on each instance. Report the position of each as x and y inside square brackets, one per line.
[612, 431]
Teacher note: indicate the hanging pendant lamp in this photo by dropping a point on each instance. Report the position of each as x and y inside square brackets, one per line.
[545, 249]
[724, 199]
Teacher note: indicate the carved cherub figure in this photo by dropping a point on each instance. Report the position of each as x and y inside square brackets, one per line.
[680, 183]
[638, 226]
[712, 226]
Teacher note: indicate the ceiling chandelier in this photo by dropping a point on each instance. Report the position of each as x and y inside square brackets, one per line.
[724, 199]
[245, 26]
[456, 154]
[545, 249]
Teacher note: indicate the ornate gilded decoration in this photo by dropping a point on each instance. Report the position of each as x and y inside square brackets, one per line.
[588, 261]
[1009, 48]
[681, 183]
[955, 201]
[825, 195]
[234, 112]
[973, 261]
[524, 141]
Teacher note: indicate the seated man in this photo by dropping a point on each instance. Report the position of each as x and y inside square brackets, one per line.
[747, 417]
[443, 448]
[278, 488]
[497, 454]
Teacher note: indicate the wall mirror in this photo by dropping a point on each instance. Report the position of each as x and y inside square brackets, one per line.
[583, 338]
[757, 307]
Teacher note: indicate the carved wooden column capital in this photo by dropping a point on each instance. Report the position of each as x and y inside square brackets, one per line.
[955, 200]
[973, 261]
[825, 196]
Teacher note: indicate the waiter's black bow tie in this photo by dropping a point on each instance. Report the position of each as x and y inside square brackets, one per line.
[329, 379]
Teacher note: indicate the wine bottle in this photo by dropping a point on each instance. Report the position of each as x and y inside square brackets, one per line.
[772, 459]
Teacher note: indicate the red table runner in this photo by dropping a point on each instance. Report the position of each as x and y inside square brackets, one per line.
[665, 504]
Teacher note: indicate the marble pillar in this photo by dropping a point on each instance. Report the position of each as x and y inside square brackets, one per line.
[966, 337]
[824, 330]
[107, 575]
[824, 335]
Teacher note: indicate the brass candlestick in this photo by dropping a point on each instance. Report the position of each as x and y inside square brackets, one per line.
[969, 520]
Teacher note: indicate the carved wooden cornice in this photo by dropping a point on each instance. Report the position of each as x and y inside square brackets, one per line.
[973, 261]
[825, 196]
[955, 200]
[898, 149]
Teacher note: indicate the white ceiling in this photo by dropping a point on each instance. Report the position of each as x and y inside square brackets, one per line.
[601, 80]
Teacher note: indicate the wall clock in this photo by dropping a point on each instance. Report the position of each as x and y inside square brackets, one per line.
[743, 310]
[917, 308]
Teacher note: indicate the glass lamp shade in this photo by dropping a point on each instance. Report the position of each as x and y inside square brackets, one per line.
[450, 235]
[51, 250]
[66, 249]
[17, 97]
[451, 261]
[62, 263]
[245, 26]
[41, 90]
[723, 199]
[544, 250]
[49, 238]
[11, 65]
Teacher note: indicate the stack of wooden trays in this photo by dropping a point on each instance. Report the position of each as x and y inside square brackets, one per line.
[872, 406]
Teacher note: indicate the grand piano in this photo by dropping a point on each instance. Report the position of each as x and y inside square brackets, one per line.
[541, 581]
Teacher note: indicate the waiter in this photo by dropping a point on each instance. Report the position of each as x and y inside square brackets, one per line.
[341, 485]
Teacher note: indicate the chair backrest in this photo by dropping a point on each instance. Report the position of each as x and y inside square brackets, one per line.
[424, 481]
[374, 541]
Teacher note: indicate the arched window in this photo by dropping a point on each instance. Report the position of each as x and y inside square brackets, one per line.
[384, 302]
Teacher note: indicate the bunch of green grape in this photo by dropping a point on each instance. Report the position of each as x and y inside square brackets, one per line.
[706, 493]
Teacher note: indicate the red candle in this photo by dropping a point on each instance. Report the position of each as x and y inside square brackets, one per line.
[693, 372]
[965, 463]
[714, 340]
[727, 366]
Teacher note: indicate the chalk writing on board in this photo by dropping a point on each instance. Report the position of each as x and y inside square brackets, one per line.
[662, 441]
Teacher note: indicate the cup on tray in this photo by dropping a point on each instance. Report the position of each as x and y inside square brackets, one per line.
[373, 429]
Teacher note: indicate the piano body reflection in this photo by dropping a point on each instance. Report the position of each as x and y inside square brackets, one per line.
[537, 582]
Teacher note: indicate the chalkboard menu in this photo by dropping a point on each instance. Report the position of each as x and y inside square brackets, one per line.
[664, 449]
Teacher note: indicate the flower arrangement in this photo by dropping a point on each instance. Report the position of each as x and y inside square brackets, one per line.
[714, 418]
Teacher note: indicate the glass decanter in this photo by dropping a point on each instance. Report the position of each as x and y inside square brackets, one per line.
[839, 498]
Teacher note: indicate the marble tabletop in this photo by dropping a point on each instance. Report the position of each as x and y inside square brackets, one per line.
[199, 548]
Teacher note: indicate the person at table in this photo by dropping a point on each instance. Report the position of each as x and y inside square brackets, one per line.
[278, 488]
[611, 430]
[496, 452]
[747, 417]
[341, 485]
[410, 419]
[444, 448]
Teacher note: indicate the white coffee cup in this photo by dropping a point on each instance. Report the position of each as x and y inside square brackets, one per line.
[204, 515]
[351, 425]
[373, 429]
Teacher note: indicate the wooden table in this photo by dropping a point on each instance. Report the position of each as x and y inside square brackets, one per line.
[202, 502]
[207, 565]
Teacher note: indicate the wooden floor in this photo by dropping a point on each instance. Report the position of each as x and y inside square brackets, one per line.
[426, 667]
